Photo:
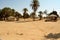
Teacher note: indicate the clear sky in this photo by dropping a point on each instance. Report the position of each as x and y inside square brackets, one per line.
[18, 5]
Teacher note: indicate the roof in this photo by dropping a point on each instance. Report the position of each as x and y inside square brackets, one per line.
[52, 15]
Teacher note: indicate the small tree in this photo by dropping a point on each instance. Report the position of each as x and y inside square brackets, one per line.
[32, 15]
[18, 15]
[40, 15]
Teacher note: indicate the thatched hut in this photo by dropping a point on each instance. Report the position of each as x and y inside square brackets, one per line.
[52, 16]
[11, 18]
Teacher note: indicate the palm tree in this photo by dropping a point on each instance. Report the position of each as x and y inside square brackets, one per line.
[25, 14]
[25, 10]
[40, 15]
[35, 5]
[32, 15]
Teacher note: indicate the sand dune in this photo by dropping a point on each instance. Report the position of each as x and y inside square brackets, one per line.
[27, 30]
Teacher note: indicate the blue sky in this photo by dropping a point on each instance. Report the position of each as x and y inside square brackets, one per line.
[18, 5]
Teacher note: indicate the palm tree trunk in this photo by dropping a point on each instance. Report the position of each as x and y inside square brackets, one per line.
[34, 16]
[17, 19]
[24, 19]
[4, 18]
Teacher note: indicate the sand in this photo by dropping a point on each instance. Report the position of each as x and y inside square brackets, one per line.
[27, 30]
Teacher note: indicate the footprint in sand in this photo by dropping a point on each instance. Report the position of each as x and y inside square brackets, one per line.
[8, 33]
[19, 33]
[0, 39]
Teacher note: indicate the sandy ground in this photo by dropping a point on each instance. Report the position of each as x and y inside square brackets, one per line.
[27, 30]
